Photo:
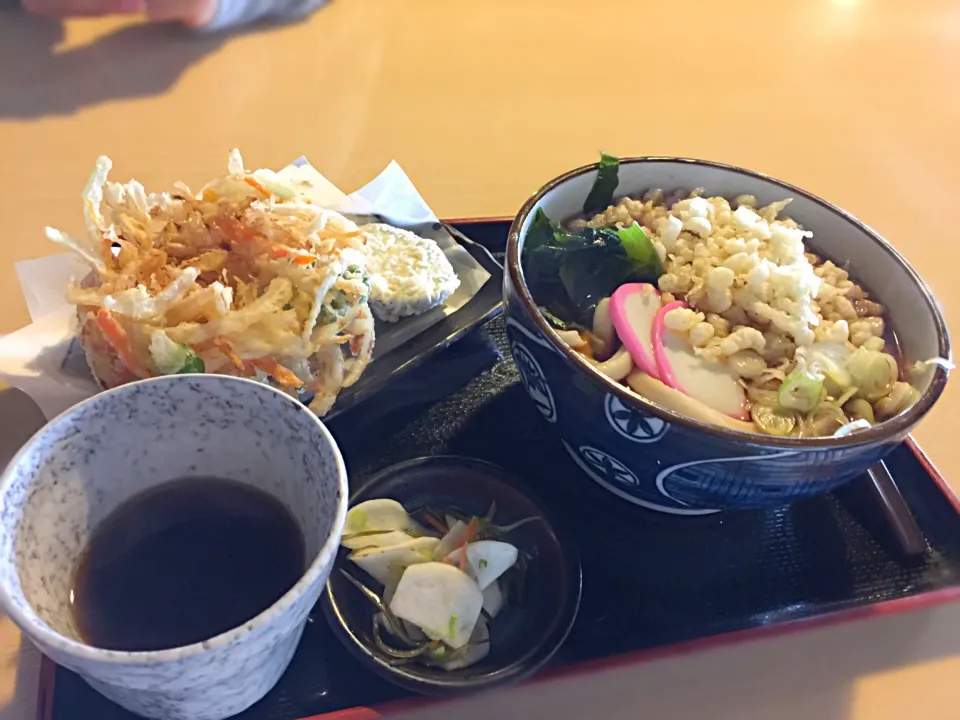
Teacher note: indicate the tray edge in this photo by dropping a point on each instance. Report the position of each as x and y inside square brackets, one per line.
[47, 682]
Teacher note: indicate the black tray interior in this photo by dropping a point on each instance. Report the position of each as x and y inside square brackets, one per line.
[648, 579]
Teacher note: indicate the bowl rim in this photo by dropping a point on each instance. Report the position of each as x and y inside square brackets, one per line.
[881, 432]
[529, 663]
[38, 630]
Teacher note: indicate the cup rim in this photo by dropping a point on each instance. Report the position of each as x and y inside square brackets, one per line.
[43, 633]
[885, 431]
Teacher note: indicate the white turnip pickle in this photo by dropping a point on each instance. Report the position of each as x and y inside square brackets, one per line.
[451, 540]
[375, 539]
[478, 650]
[486, 560]
[492, 599]
[381, 515]
[439, 599]
[379, 563]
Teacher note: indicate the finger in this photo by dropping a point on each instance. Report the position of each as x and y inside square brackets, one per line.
[191, 12]
[69, 8]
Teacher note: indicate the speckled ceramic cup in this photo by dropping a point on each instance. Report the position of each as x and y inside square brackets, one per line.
[93, 457]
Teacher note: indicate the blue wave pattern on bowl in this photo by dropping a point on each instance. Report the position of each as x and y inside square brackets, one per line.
[673, 466]
[660, 465]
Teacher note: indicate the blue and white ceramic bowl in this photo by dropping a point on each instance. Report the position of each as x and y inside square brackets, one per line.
[100, 453]
[661, 460]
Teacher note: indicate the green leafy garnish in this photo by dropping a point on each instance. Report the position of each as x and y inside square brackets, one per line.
[542, 232]
[326, 316]
[338, 300]
[553, 319]
[800, 391]
[171, 358]
[483, 563]
[600, 196]
[872, 372]
[452, 626]
[335, 308]
[192, 364]
[570, 272]
[639, 248]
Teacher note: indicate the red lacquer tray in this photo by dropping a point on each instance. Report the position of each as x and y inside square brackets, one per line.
[827, 560]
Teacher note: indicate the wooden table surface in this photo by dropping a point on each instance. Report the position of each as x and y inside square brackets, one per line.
[483, 101]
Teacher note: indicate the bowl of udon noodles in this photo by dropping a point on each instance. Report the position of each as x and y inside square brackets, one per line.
[703, 337]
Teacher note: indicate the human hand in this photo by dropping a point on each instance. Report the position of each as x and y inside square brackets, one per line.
[190, 12]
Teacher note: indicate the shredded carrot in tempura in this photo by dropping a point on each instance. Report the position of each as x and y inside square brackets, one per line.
[283, 375]
[256, 186]
[119, 341]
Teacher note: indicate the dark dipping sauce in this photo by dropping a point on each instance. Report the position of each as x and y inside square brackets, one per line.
[183, 562]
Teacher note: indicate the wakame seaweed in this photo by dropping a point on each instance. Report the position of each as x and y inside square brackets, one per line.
[568, 273]
[600, 196]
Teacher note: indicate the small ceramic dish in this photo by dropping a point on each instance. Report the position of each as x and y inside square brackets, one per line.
[524, 636]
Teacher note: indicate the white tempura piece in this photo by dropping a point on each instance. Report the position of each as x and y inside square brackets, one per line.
[409, 274]
[740, 261]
